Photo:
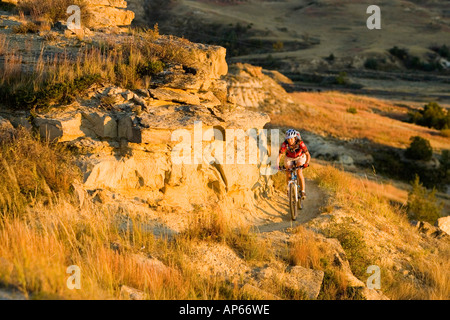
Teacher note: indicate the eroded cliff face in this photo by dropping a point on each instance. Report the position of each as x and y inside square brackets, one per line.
[132, 145]
[101, 13]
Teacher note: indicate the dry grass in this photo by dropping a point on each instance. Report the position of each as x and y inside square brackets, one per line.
[367, 204]
[128, 61]
[306, 251]
[41, 238]
[51, 10]
[326, 113]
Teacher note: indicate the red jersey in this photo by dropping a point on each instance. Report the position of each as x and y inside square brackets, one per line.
[295, 150]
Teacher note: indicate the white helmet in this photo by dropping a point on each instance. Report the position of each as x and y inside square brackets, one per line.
[291, 133]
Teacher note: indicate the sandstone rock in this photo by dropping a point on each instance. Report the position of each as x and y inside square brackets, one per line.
[131, 293]
[65, 128]
[208, 99]
[372, 294]
[202, 65]
[132, 173]
[429, 230]
[174, 95]
[444, 224]
[110, 3]
[99, 125]
[252, 88]
[307, 280]
[128, 95]
[108, 16]
[6, 129]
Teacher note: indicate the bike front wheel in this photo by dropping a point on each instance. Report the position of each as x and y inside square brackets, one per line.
[293, 200]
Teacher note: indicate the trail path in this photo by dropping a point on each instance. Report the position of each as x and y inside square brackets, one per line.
[276, 210]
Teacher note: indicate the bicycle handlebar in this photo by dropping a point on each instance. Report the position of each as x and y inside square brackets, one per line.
[291, 169]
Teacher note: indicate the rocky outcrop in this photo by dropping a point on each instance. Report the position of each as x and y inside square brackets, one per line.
[103, 13]
[251, 86]
[444, 224]
[108, 13]
[157, 140]
[428, 230]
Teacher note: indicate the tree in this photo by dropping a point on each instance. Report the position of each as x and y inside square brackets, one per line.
[422, 204]
[419, 149]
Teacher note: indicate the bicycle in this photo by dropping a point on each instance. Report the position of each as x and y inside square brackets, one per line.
[295, 202]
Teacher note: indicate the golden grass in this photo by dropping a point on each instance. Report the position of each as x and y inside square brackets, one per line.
[368, 202]
[326, 113]
[305, 251]
[119, 60]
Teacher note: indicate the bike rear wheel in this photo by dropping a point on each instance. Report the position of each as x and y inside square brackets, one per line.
[293, 201]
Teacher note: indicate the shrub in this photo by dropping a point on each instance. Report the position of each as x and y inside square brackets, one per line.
[50, 10]
[432, 115]
[27, 27]
[402, 54]
[419, 149]
[422, 204]
[352, 110]
[443, 51]
[278, 46]
[445, 133]
[330, 58]
[413, 62]
[352, 241]
[150, 68]
[32, 169]
[341, 79]
[371, 63]
[6, 6]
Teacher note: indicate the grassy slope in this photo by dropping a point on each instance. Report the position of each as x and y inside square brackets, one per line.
[408, 23]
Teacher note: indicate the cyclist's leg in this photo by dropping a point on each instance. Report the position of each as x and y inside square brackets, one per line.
[300, 178]
[288, 163]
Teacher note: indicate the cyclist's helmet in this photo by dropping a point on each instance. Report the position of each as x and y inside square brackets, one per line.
[291, 133]
[299, 136]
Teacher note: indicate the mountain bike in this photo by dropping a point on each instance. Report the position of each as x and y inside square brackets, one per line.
[295, 202]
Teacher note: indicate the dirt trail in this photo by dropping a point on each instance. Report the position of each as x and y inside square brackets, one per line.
[275, 211]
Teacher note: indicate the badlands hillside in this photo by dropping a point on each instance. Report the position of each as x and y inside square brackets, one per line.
[312, 42]
[94, 122]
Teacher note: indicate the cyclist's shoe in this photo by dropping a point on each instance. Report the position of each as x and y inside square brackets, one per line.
[303, 193]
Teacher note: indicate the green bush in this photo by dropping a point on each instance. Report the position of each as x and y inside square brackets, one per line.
[432, 115]
[59, 93]
[352, 110]
[443, 51]
[422, 204]
[371, 63]
[150, 68]
[413, 62]
[419, 149]
[28, 27]
[352, 241]
[342, 79]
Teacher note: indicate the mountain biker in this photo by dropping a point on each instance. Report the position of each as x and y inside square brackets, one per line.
[296, 152]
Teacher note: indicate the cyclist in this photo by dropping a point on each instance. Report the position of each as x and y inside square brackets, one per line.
[296, 152]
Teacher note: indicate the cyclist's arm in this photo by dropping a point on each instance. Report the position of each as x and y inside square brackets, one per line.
[280, 153]
[308, 157]
[278, 159]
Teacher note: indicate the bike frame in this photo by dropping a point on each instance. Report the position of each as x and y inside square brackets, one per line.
[293, 180]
